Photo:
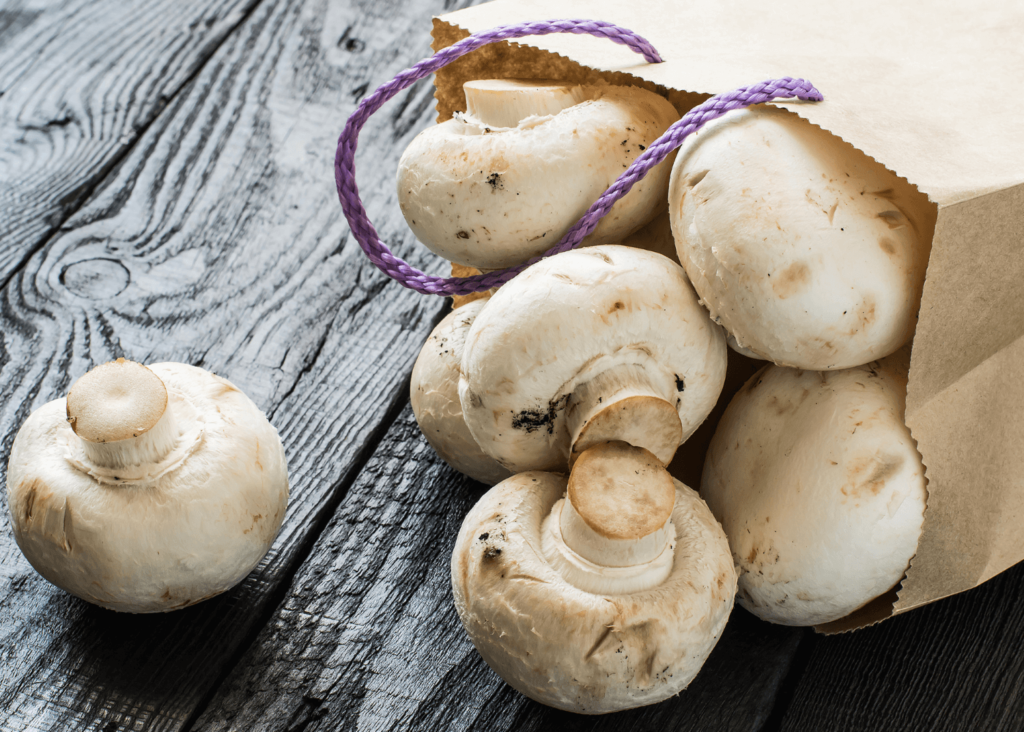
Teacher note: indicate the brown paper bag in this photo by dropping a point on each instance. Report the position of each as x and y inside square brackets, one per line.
[932, 92]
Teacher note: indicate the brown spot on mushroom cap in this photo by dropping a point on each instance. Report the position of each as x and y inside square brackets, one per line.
[621, 491]
[67, 531]
[598, 254]
[886, 245]
[893, 219]
[791, 280]
[877, 469]
[256, 518]
[45, 514]
[783, 404]
[226, 387]
[599, 642]
[116, 401]
[867, 311]
[31, 493]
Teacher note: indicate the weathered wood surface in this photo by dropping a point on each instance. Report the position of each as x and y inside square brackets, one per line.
[367, 637]
[218, 241]
[79, 82]
[953, 665]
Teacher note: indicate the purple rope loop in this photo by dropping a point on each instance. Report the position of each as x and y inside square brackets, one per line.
[392, 266]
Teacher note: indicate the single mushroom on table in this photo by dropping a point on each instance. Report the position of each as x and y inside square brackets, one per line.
[807, 251]
[434, 393]
[591, 345]
[147, 489]
[504, 181]
[820, 488]
[601, 593]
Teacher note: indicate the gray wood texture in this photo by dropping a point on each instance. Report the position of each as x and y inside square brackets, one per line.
[79, 82]
[953, 665]
[218, 241]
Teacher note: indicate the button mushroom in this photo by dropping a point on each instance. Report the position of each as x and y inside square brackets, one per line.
[597, 344]
[820, 488]
[610, 598]
[434, 393]
[506, 180]
[147, 489]
[807, 251]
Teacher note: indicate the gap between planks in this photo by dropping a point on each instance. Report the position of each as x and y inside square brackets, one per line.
[338, 494]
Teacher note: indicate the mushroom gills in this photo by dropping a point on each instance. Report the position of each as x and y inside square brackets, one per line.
[505, 103]
[624, 403]
[612, 534]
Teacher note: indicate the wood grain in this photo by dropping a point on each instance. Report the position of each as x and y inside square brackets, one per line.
[953, 665]
[368, 637]
[218, 241]
[79, 82]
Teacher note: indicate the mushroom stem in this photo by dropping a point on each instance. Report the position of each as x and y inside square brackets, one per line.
[613, 533]
[149, 447]
[499, 103]
[606, 552]
[121, 413]
[624, 403]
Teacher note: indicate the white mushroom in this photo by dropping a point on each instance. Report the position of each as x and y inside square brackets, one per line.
[434, 393]
[147, 489]
[504, 181]
[608, 599]
[820, 488]
[806, 250]
[596, 344]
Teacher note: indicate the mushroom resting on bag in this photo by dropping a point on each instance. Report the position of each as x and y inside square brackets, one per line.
[504, 182]
[434, 393]
[807, 251]
[596, 344]
[820, 488]
[602, 593]
[147, 489]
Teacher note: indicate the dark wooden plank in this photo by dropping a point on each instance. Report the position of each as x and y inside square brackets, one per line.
[218, 241]
[368, 637]
[79, 81]
[953, 665]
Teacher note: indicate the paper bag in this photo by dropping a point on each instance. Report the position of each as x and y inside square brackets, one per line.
[930, 90]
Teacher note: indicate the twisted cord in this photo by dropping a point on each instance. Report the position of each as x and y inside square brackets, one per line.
[392, 266]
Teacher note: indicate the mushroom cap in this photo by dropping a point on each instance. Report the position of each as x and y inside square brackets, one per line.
[175, 533]
[565, 320]
[807, 251]
[573, 650]
[492, 198]
[434, 392]
[820, 488]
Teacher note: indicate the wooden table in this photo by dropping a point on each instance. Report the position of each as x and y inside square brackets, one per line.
[166, 194]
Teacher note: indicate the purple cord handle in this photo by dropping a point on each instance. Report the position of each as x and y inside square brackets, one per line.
[392, 266]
